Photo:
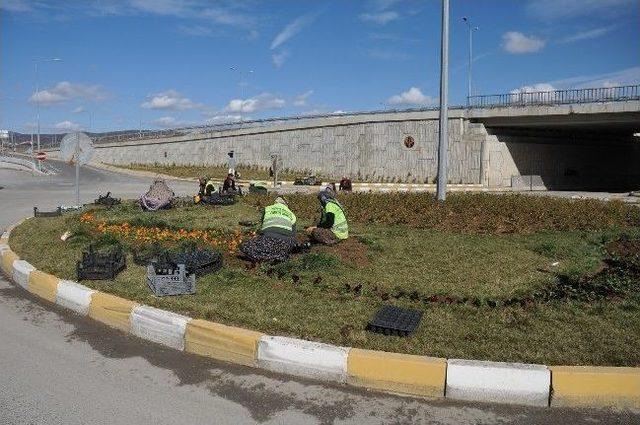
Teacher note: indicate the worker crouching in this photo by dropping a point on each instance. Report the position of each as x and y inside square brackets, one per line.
[277, 238]
[332, 227]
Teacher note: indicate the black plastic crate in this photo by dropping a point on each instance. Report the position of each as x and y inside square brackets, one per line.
[55, 213]
[392, 320]
[96, 265]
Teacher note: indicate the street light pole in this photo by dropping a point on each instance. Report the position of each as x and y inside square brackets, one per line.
[38, 95]
[470, 29]
[444, 88]
[240, 72]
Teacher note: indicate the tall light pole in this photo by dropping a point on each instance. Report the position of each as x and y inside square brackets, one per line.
[38, 93]
[241, 84]
[444, 88]
[470, 29]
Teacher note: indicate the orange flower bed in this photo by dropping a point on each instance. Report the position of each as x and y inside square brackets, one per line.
[153, 235]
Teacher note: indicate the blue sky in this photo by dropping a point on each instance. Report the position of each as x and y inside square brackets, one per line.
[168, 63]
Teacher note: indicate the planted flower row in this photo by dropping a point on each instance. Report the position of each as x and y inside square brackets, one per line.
[151, 235]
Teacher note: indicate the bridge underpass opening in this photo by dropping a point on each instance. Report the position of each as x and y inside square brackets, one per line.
[602, 156]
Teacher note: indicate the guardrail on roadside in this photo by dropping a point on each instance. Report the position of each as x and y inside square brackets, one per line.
[556, 97]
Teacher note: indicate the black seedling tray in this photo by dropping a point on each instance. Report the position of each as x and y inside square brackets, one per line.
[199, 261]
[392, 320]
[97, 265]
[55, 213]
[217, 199]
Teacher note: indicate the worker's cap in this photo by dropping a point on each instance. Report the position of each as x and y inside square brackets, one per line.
[281, 200]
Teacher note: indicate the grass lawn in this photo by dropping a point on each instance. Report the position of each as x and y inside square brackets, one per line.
[484, 293]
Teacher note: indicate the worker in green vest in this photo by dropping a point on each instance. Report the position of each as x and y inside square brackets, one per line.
[277, 236]
[332, 227]
[278, 219]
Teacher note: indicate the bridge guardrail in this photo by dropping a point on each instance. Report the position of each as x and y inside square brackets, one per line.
[556, 97]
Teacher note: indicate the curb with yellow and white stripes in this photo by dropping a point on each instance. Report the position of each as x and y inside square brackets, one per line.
[404, 374]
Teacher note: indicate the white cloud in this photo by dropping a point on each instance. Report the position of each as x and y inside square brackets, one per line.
[291, 30]
[555, 9]
[258, 103]
[587, 35]
[413, 96]
[67, 126]
[540, 87]
[225, 17]
[253, 35]
[15, 5]
[516, 43]
[170, 99]
[161, 7]
[381, 18]
[221, 119]
[301, 99]
[65, 91]
[167, 122]
[78, 110]
[622, 77]
[279, 59]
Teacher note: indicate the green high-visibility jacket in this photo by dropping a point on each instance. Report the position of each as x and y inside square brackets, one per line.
[340, 227]
[278, 217]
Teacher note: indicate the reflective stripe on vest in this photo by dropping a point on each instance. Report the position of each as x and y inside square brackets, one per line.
[280, 216]
[340, 227]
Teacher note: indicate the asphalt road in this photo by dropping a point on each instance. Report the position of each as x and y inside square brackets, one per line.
[60, 368]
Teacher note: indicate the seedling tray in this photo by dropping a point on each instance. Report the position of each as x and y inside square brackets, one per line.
[392, 320]
[97, 265]
[166, 279]
[198, 262]
[56, 213]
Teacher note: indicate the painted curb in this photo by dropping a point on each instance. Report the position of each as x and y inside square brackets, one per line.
[112, 310]
[74, 296]
[497, 382]
[595, 386]
[162, 327]
[221, 342]
[405, 374]
[8, 257]
[43, 285]
[21, 272]
[303, 358]
[397, 373]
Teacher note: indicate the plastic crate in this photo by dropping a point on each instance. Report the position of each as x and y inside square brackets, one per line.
[392, 320]
[169, 279]
[56, 213]
[97, 265]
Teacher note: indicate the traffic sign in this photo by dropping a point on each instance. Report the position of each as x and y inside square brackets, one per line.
[41, 156]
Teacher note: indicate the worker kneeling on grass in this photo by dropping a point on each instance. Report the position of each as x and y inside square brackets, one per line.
[333, 226]
[277, 238]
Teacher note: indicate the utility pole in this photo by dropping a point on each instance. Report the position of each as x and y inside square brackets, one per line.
[470, 29]
[444, 87]
[241, 84]
[38, 98]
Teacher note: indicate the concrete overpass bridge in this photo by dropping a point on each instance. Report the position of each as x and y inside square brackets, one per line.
[573, 139]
